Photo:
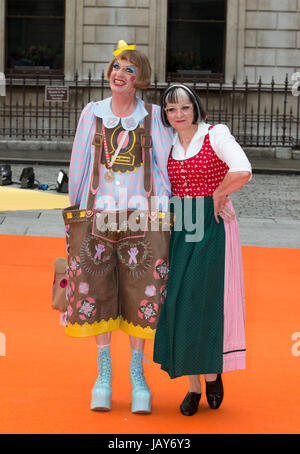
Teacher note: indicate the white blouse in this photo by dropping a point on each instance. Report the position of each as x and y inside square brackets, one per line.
[223, 143]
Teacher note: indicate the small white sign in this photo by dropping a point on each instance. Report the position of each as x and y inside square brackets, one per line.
[56, 94]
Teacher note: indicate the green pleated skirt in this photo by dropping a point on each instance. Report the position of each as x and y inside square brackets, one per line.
[189, 335]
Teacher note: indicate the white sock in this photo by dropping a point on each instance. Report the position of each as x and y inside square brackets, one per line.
[100, 347]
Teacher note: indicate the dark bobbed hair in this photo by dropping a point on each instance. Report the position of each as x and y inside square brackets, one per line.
[142, 64]
[171, 95]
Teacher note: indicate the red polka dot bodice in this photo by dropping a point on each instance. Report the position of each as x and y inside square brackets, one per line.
[197, 176]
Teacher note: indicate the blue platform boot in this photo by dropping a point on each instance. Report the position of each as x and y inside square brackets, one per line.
[141, 395]
[101, 392]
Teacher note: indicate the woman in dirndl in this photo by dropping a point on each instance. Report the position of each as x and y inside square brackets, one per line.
[201, 325]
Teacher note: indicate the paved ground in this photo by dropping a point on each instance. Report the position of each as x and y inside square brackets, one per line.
[268, 209]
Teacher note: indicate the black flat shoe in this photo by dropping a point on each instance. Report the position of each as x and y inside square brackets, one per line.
[190, 404]
[214, 392]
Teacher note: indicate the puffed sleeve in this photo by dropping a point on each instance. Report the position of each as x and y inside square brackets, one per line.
[81, 155]
[228, 150]
[162, 138]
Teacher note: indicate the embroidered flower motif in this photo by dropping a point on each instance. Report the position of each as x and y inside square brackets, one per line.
[75, 269]
[83, 288]
[63, 319]
[70, 290]
[111, 121]
[67, 231]
[68, 249]
[69, 311]
[150, 290]
[161, 269]
[130, 122]
[148, 311]
[86, 308]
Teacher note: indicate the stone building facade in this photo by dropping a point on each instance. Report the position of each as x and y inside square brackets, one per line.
[260, 41]
[271, 39]
[262, 37]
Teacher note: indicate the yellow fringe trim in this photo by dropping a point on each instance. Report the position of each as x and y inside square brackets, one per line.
[137, 331]
[86, 330]
[96, 328]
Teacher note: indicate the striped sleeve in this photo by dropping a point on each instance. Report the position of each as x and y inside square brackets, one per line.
[81, 155]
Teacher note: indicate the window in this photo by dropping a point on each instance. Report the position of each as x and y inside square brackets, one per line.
[35, 35]
[195, 38]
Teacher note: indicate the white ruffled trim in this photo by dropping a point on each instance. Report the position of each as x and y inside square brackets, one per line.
[103, 110]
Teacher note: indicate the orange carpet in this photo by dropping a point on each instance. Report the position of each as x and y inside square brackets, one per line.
[46, 377]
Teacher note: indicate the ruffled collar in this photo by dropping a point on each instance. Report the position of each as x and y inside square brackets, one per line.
[103, 110]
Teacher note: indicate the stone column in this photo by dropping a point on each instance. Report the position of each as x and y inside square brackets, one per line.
[70, 44]
[73, 38]
[235, 40]
[158, 37]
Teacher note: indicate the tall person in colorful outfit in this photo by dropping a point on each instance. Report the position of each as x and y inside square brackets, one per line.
[117, 279]
[201, 325]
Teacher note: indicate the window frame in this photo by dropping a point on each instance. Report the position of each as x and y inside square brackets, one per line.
[170, 76]
[11, 72]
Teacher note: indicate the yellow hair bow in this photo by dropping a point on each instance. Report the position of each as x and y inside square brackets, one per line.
[122, 45]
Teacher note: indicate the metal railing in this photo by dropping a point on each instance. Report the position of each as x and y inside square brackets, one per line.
[259, 115]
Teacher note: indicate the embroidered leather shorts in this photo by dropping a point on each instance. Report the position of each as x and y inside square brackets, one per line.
[115, 285]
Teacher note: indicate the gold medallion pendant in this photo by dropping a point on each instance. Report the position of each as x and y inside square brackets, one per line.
[109, 176]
